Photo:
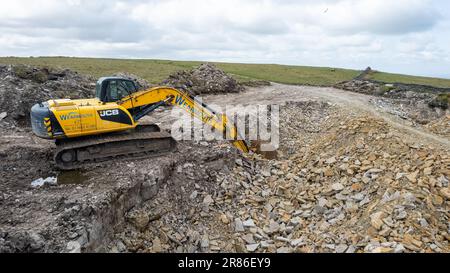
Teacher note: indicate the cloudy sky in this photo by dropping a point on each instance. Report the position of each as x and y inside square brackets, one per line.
[405, 36]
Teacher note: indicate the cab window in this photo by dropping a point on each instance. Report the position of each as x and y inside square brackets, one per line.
[98, 90]
[116, 90]
[131, 87]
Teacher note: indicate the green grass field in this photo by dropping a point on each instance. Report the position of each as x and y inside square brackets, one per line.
[387, 77]
[156, 70]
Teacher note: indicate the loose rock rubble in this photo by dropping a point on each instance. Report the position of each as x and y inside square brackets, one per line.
[440, 126]
[416, 93]
[408, 102]
[342, 183]
[23, 86]
[360, 188]
[362, 86]
[205, 79]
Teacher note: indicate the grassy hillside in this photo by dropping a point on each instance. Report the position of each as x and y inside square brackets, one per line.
[151, 70]
[156, 70]
[387, 77]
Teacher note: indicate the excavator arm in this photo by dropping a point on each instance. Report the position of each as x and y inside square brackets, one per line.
[150, 99]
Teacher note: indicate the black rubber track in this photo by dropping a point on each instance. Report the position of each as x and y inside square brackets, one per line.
[144, 141]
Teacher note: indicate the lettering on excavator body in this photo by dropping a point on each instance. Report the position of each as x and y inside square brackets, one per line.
[182, 102]
[107, 113]
[73, 115]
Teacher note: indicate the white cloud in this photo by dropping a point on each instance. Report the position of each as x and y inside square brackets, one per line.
[409, 36]
[369, 16]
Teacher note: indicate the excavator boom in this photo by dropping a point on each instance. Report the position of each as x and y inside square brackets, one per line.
[188, 103]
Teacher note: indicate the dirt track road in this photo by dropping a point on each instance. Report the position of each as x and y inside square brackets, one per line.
[280, 94]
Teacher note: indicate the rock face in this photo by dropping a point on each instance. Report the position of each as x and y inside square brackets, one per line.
[22, 86]
[205, 79]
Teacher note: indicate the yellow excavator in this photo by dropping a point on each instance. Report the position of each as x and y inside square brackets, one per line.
[105, 127]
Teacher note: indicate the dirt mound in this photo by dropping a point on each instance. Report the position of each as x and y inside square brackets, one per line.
[361, 86]
[205, 79]
[22, 86]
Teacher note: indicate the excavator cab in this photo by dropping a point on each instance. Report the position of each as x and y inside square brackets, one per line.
[112, 89]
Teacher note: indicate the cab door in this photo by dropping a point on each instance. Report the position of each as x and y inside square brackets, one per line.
[112, 116]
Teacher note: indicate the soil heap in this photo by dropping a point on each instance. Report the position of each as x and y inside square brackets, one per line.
[205, 79]
[21, 86]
